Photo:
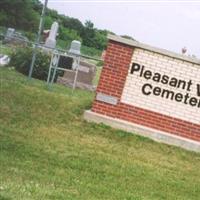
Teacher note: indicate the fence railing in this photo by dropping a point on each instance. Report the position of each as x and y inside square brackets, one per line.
[41, 45]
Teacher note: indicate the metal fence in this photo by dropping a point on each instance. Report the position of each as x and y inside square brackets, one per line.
[41, 45]
[53, 51]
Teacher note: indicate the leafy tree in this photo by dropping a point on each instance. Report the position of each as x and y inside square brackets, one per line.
[3, 17]
[89, 25]
[37, 6]
[52, 14]
[93, 37]
[89, 34]
[48, 21]
[100, 40]
[18, 14]
[25, 15]
[72, 23]
[68, 34]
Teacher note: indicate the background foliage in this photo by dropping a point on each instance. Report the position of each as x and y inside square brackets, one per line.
[21, 60]
[25, 15]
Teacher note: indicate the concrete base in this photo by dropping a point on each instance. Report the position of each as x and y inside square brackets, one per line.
[154, 134]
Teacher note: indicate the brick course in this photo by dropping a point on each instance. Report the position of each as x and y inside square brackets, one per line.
[115, 70]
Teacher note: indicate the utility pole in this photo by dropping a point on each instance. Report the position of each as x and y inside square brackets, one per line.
[38, 39]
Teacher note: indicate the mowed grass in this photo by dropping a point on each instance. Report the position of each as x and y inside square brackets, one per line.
[48, 151]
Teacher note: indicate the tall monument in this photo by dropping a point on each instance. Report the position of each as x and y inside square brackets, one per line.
[51, 40]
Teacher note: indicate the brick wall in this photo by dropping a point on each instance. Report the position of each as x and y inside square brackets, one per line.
[150, 111]
[115, 70]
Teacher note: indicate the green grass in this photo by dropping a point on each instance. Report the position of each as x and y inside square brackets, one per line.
[63, 44]
[47, 151]
[5, 49]
[90, 51]
[97, 77]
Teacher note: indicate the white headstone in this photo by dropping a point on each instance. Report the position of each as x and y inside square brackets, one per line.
[10, 32]
[75, 47]
[51, 40]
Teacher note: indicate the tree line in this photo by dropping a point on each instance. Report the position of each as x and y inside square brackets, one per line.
[25, 15]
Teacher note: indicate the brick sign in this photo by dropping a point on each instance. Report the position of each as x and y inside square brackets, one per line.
[163, 84]
[154, 89]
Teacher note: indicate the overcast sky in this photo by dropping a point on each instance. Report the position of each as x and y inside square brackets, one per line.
[169, 25]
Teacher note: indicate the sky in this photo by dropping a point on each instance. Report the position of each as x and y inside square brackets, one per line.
[168, 24]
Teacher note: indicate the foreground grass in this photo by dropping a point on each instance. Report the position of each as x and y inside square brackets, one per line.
[47, 151]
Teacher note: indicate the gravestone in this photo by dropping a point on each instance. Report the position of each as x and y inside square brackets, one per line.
[15, 38]
[51, 40]
[86, 74]
[75, 47]
[9, 32]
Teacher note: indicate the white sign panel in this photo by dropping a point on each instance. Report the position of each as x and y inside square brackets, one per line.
[164, 85]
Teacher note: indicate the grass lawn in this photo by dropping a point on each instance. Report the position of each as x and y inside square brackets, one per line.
[47, 151]
[5, 49]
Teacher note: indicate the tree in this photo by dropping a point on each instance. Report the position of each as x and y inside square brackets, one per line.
[52, 14]
[37, 6]
[48, 21]
[25, 14]
[18, 14]
[88, 34]
[100, 39]
[71, 23]
[68, 34]
[89, 24]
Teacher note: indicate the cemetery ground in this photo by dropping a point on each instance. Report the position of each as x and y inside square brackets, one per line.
[47, 151]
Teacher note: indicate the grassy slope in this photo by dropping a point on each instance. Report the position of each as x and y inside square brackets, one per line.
[47, 151]
[4, 49]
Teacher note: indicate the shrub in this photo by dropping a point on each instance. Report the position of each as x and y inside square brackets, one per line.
[21, 60]
[89, 51]
[31, 36]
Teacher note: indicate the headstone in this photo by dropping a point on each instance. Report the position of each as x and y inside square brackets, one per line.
[10, 32]
[51, 40]
[15, 38]
[86, 74]
[4, 60]
[75, 47]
